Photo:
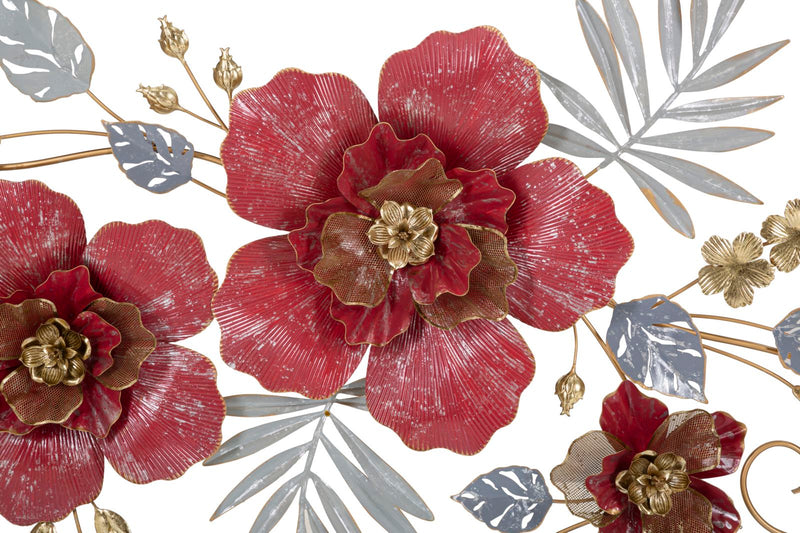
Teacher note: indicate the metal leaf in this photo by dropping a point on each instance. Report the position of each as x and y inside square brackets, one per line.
[578, 106]
[605, 57]
[356, 388]
[573, 143]
[41, 52]
[697, 176]
[663, 201]
[670, 360]
[733, 68]
[261, 478]
[255, 439]
[153, 157]
[44, 527]
[337, 513]
[728, 9]
[383, 476]
[628, 40]
[671, 33]
[254, 405]
[277, 506]
[699, 15]
[308, 521]
[106, 521]
[511, 500]
[709, 139]
[718, 109]
[383, 511]
[787, 339]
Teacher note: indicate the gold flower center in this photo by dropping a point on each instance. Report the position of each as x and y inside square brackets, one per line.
[404, 234]
[652, 479]
[56, 354]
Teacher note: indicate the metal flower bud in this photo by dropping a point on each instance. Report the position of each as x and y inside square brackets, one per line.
[227, 73]
[173, 41]
[569, 389]
[162, 99]
[44, 527]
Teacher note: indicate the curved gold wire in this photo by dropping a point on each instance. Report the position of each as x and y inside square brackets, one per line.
[746, 471]
[574, 527]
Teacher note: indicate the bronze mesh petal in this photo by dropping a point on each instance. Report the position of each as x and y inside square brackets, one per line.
[36, 403]
[691, 513]
[426, 186]
[19, 322]
[691, 435]
[351, 265]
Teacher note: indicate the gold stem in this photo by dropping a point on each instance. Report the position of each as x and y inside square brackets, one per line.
[575, 355]
[750, 364]
[592, 173]
[606, 348]
[82, 155]
[209, 188]
[739, 342]
[612, 303]
[77, 521]
[746, 471]
[51, 132]
[104, 106]
[734, 320]
[683, 289]
[580, 525]
[198, 117]
[560, 502]
[208, 157]
[203, 94]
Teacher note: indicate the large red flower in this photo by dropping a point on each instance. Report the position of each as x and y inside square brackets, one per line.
[417, 235]
[87, 366]
[645, 471]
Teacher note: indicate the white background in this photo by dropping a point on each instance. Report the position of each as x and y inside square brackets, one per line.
[355, 38]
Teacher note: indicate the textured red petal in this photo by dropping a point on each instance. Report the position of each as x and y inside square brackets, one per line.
[103, 338]
[9, 422]
[161, 269]
[47, 474]
[20, 321]
[276, 324]
[101, 407]
[628, 522]
[482, 202]
[380, 324]
[306, 241]
[632, 417]
[471, 94]
[448, 270]
[172, 417]
[70, 290]
[286, 142]
[731, 438]
[567, 242]
[366, 164]
[449, 389]
[603, 486]
[42, 231]
[724, 515]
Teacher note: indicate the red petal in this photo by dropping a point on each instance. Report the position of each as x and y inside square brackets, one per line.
[603, 486]
[731, 438]
[471, 94]
[276, 323]
[366, 164]
[286, 142]
[448, 270]
[691, 435]
[482, 202]
[449, 389]
[567, 242]
[632, 417]
[9, 422]
[307, 240]
[70, 290]
[172, 417]
[47, 474]
[628, 522]
[103, 338]
[724, 515]
[380, 324]
[42, 231]
[160, 269]
[20, 321]
[101, 407]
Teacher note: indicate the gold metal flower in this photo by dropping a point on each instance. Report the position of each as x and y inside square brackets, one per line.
[735, 268]
[652, 479]
[227, 73]
[784, 233]
[570, 390]
[56, 354]
[404, 234]
[173, 41]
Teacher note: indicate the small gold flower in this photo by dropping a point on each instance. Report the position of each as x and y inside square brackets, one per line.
[404, 234]
[173, 41]
[735, 268]
[227, 73]
[652, 479]
[56, 354]
[784, 233]
[570, 389]
[162, 99]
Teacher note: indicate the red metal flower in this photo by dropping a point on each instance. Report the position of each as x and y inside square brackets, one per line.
[404, 231]
[645, 471]
[87, 366]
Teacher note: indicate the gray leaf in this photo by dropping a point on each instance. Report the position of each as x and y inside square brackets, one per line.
[261, 478]
[383, 476]
[356, 388]
[365, 492]
[153, 157]
[41, 52]
[671, 33]
[628, 40]
[663, 201]
[667, 359]
[573, 143]
[733, 68]
[605, 57]
[710, 139]
[720, 108]
[787, 339]
[337, 513]
[308, 521]
[697, 176]
[511, 500]
[254, 405]
[255, 439]
[359, 402]
[728, 9]
[699, 23]
[578, 106]
[277, 506]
